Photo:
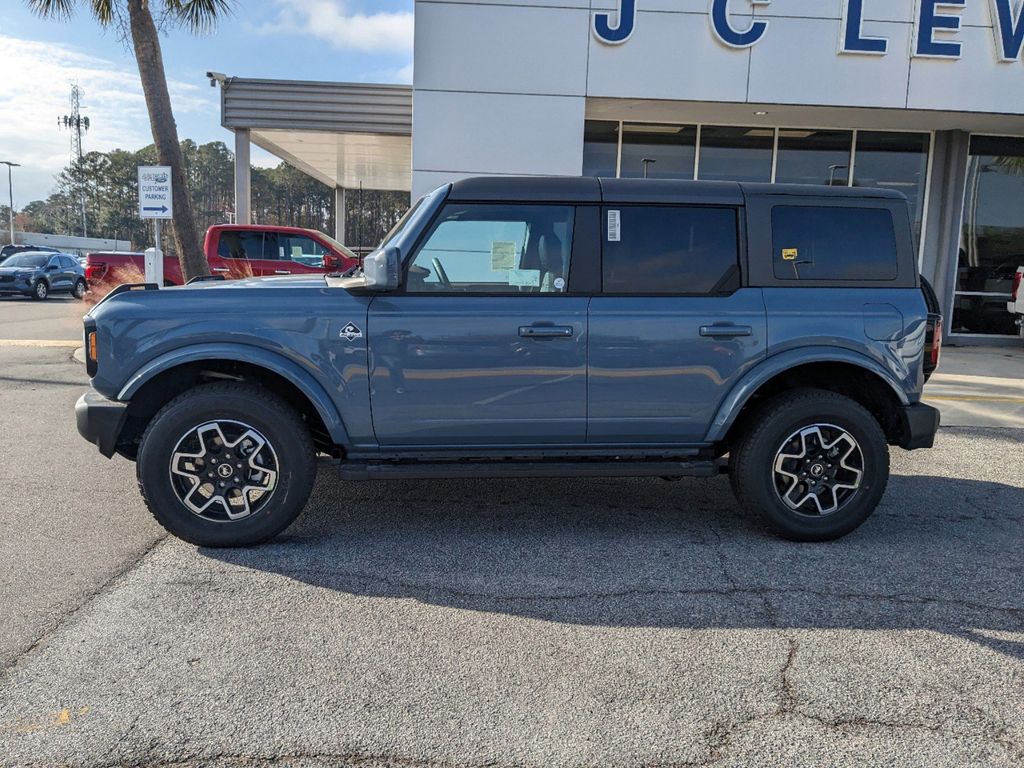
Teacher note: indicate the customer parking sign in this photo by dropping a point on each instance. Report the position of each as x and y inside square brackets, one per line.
[155, 198]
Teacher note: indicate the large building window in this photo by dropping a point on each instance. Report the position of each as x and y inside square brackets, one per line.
[814, 157]
[992, 240]
[736, 154]
[654, 151]
[600, 148]
[894, 161]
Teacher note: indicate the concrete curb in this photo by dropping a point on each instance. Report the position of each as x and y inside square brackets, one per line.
[79, 355]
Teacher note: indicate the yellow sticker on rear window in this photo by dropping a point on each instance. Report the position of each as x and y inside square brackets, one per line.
[790, 254]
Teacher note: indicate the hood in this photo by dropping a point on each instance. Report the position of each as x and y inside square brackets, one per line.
[276, 281]
[15, 270]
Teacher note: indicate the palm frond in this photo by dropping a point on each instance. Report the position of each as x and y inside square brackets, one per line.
[103, 10]
[56, 9]
[198, 15]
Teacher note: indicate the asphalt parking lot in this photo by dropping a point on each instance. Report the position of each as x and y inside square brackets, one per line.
[501, 623]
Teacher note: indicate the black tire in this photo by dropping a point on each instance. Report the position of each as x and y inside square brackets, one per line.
[228, 403]
[759, 489]
[41, 291]
[80, 289]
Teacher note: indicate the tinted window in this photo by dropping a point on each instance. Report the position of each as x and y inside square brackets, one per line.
[495, 249]
[67, 262]
[240, 245]
[670, 250]
[818, 243]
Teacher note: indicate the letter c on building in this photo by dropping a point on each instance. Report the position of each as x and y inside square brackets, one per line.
[724, 30]
[619, 34]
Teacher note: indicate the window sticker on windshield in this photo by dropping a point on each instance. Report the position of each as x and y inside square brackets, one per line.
[790, 254]
[614, 232]
[503, 255]
[524, 277]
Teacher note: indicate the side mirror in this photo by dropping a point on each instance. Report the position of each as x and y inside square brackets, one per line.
[382, 269]
[51, 267]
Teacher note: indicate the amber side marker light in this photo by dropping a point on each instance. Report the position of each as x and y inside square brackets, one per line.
[92, 346]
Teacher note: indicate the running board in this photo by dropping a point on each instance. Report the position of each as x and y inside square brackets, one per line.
[506, 469]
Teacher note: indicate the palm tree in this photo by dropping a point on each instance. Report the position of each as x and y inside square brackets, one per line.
[195, 15]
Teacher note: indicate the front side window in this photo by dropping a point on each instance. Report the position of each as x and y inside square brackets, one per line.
[240, 245]
[670, 250]
[495, 248]
[300, 248]
[833, 243]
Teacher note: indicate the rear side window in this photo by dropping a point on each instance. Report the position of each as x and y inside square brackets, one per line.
[235, 244]
[670, 250]
[832, 243]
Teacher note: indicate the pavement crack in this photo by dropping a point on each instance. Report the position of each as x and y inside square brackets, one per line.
[788, 689]
[87, 599]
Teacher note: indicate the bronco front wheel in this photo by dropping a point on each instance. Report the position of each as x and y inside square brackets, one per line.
[226, 465]
[813, 465]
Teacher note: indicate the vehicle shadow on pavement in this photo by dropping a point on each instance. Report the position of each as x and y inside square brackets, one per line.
[939, 554]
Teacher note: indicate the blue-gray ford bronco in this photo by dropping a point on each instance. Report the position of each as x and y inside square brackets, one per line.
[525, 327]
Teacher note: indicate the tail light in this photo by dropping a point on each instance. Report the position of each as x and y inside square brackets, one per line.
[94, 271]
[932, 344]
[91, 348]
[1016, 284]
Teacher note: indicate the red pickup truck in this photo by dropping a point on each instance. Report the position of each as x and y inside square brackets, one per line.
[234, 250]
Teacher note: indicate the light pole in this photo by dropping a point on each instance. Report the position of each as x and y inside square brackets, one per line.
[10, 188]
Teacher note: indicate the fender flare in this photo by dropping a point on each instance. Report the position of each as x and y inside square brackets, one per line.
[245, 353]
[771, 367]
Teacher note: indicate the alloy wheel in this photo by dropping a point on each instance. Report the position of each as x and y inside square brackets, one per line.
[818, 469]
[224, 470]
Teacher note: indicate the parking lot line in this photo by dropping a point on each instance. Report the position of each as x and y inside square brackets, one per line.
[41, 343]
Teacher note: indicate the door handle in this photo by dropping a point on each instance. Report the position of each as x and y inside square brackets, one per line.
[545, 331]
[726, 331]
[221, 269]
[281, 272]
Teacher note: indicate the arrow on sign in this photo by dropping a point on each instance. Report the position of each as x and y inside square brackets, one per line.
[162, 208]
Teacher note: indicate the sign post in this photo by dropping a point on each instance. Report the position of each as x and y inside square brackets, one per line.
[156, 201]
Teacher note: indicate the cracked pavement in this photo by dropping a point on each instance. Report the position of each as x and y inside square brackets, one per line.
[516, 623]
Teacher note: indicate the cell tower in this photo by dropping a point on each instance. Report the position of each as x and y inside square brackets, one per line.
[77, 123]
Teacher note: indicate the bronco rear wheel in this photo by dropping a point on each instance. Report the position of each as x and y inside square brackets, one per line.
[813, 465]
[226, 465]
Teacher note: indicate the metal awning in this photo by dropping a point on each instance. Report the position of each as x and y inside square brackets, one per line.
[344, 134]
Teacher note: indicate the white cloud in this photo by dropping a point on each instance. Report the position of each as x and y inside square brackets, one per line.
[333, 22]
[34, 90]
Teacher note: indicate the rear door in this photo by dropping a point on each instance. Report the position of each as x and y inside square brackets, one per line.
[239, 252]
[673, 329]
[485, 344]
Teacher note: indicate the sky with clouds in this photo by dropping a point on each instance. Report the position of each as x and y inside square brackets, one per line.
[341, 40]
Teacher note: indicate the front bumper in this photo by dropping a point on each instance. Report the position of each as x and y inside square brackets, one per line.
[918, 425]
[100, 420]
[21, 287]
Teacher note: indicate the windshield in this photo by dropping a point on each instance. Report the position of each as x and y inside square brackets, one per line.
[343, 250]
[27, 260]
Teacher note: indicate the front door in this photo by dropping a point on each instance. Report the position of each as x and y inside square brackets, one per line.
[672, 331]
[485, 344]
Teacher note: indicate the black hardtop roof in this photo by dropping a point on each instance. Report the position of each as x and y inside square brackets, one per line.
[579, 189]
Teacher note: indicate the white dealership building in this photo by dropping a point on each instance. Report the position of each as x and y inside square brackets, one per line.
[922, 96]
